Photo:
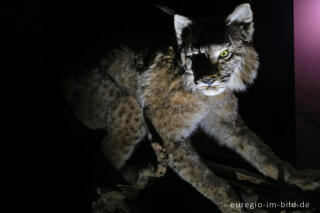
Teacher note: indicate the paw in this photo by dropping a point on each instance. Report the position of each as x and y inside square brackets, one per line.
[307, 180]
[111, 201]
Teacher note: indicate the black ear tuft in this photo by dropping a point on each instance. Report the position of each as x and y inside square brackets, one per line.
[166, 9]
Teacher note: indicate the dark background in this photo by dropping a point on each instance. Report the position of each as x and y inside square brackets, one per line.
[307, 75]
[56, 162]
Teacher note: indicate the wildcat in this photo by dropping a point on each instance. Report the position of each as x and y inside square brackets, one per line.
[187, 85]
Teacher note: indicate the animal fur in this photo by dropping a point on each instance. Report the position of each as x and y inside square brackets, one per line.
[185, 86]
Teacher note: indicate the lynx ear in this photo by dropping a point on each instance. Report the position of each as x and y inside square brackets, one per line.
[243, 16]
[180, 23]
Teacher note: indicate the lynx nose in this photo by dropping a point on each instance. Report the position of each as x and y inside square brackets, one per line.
[208, 81]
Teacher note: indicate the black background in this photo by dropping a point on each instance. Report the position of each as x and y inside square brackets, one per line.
[55, 161]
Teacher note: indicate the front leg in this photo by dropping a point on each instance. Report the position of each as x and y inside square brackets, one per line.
[231, 131]
[187, 164]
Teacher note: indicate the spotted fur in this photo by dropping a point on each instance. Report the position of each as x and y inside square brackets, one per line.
[186, 86]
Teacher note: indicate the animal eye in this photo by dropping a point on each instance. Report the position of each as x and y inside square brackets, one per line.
[224, 54]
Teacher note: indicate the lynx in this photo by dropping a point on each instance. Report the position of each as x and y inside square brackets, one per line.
[180, 87]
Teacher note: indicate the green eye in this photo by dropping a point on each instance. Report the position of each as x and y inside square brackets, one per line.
[224, 53]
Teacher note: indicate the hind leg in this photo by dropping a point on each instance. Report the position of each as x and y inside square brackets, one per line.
[139, 175]
[125, 129]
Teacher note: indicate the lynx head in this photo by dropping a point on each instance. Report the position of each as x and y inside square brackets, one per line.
[217, 55]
